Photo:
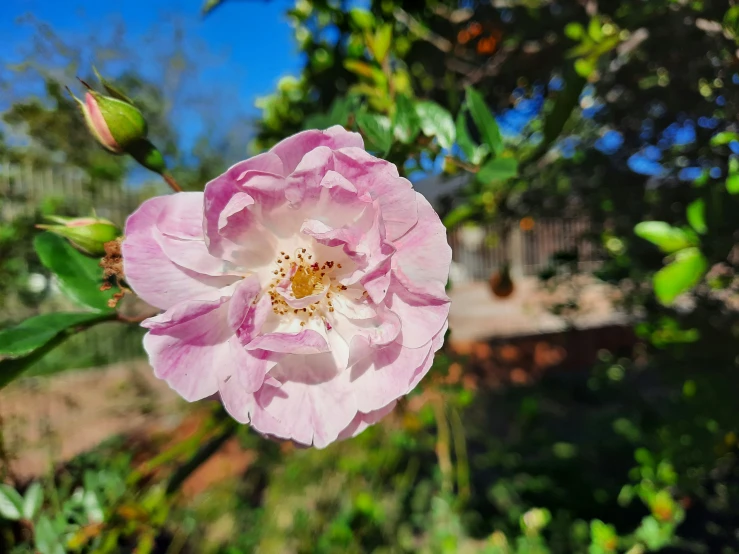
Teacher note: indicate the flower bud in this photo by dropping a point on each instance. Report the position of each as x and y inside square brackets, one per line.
[87, 234]
[114, 123]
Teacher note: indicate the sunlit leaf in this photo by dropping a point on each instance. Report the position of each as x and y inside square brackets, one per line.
[46, 538]
[380, 45]
[406, 124]
[24, 344]
[79, 277]
[363, 19]
[667, 238]
[32, 500]
[679, 276]
[498, 169]
[377, 129]
[459, 215]
[472, 151]
[575, 31]
[11, 503]
[731, 21]
[360, 68]
[36, 331]
[723, 138]
[209, 6]
[483, 118]
[696, 215]
[595, 31]
[436, 122]
[732, 181]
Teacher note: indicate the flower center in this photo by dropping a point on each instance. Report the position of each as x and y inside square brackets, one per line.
[306, 278]
[306, 281]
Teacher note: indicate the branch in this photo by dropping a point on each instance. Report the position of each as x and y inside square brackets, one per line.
[200, 457]
[423, 32]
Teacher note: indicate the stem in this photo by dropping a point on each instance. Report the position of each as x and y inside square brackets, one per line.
[136, 319]
[442, 445]
[463, 165]
[202, 455]
[460, 450]
[171, 182]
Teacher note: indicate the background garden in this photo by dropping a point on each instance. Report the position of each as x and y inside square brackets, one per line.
[584, 156]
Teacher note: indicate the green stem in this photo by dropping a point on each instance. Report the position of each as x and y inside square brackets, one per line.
[460, 451]
[169, 455]
[201, 456]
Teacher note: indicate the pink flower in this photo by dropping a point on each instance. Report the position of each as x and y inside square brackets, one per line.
[305, 286]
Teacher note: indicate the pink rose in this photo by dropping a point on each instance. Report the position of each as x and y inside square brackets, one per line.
[305, 286]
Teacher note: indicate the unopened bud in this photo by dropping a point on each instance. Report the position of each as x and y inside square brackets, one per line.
[114, 123]
[87, 234]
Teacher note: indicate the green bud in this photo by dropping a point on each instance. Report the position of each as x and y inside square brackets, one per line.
[87, 234]
[115, 123]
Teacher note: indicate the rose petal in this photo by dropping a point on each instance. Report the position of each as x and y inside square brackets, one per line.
[151, 274]
[423, 255]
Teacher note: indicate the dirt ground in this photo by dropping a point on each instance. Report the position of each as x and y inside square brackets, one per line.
[49, 420]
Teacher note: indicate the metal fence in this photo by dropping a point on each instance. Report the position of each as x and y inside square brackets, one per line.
[529, 246]
[25, 187]
[26, 192]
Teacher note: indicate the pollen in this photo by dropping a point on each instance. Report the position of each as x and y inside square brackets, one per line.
[306, 281]
[307, 278]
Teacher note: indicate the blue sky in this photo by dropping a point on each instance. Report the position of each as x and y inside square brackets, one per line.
[252, 39]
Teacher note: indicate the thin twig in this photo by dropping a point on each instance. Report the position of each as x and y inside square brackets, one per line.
[463, 165]
[202, 455]
[130, 319]
[490, 68]
[171, 182]
[420, 30]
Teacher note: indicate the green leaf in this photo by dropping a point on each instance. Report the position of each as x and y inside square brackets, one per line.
[498, 169]
[209, 6]
[574, 31]
[29, 341]
[359, 68]
[377, 129]
[79, 277]
[679, 276]
[436, 122]
[340, 110]
[380, 45]
[11, 503]
[459, 215]
[406, 124]
[484, 120]
[472, 151]
[595, 31]
[337, 115]
[91, 504]
[362, 18]
[724, 138]
[696, 215]
[33, 500]
[667, 238]
[584, 67]
[567, 99]
[732, 181]
[36, 331]
[47, 540]
[731, 21]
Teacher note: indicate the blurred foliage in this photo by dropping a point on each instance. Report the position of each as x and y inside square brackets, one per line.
[620, 112]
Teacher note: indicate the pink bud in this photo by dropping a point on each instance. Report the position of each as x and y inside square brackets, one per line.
[97, 125]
